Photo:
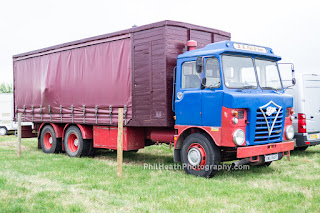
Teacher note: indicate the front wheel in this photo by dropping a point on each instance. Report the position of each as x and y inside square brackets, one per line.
[200, 156]
[301, 148]
[3, 131]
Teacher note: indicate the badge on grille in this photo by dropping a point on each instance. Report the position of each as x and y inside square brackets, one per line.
[267, 110]
[270, 110]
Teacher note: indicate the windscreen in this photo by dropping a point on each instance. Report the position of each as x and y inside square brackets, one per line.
[268, 74]
[239, 72]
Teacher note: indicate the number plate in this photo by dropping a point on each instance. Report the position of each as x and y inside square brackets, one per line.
[313, 136]
[272, 157]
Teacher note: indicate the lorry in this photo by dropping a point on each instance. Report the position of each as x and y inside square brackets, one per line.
[215, 100]
[7, 124]
[6, 114]
[306, 105]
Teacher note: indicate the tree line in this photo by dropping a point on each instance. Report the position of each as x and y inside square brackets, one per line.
[6, 88]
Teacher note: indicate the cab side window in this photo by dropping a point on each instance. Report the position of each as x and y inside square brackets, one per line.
[190, 78]
[212, 72]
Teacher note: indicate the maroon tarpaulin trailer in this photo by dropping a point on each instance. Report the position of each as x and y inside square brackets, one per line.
[86, 81]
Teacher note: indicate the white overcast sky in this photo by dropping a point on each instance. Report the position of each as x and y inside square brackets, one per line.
[290, 28]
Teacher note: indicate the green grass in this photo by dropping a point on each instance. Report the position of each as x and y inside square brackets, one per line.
[39, 182]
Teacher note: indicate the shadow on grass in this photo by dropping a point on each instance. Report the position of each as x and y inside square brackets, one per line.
[305, 153]
[137, 158]
[152, 158]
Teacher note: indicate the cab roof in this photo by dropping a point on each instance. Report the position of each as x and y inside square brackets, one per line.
[232, 47]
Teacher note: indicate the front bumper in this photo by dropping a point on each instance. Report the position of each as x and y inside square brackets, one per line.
[252, 151]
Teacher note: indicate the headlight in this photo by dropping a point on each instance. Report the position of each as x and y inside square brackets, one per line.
[235, 120]
[289, 132]
[239, 137]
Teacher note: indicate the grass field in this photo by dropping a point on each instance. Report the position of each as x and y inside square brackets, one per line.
[39, 182]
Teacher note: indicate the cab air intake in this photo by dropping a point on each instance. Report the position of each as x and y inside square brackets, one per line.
[192, 44]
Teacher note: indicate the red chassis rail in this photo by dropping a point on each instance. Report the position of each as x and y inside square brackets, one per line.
[250, 151]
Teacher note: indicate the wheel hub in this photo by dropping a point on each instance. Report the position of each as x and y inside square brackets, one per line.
[194, 157]
[50, 140]
[76, 142]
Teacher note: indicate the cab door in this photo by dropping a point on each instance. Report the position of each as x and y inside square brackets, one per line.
[212, 94]
[188, 95]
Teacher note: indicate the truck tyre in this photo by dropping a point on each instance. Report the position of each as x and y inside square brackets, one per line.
[49, 142]
[200, 156]
[92, 150]
[3, 130]
[301, 148]
[74, 144]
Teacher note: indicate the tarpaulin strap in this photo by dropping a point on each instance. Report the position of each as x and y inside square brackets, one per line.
[50, 113]
[84, 113]
[24, 112]
[125, 114]
[110, 109]
[72, 113]
[32, 112]
[96, 113]
[41, 112]
[61, 113]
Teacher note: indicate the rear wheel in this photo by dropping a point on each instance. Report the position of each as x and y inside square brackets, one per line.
[200, 156]
[3, 130]
[74, 144]
[49, 142]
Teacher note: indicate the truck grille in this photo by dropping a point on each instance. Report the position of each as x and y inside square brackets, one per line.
[261, 132]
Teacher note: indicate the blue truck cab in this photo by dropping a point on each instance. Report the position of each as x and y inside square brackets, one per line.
[229, 104]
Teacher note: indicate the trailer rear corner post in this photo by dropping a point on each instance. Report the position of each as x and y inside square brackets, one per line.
[19, 135]
[120, 143]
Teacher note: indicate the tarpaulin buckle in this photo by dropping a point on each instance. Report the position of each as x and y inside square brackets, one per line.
[41, 112]
[125, 114]
[110, 111]
[72, 113]
[96, 113]
[84, 113]
[49, 107]
[61, 113]
[32, 113]
[24, 112]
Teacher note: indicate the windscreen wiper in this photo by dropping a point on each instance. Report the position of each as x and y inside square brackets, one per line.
[246, 87]
[269, 88]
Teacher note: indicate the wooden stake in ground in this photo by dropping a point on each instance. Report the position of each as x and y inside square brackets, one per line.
[19, 134]
[120, 143]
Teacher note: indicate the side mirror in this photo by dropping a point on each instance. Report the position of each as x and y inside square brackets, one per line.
[203, 83]
[293, 77]
[293, 80]
[199, 64]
